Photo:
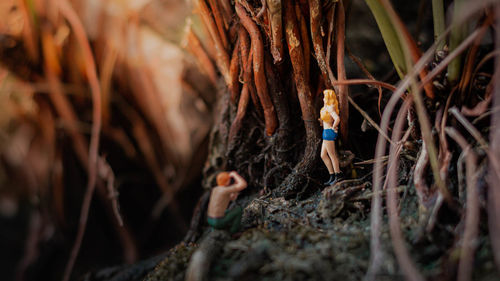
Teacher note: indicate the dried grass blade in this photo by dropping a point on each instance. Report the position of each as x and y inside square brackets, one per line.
[376, 213]
[370, 120]
[67, 11]
[408, 267]
[409, 51]
[470, 128]
[375, 83]
[459, 49]
[494, 157]
[398, 40]
[389, 34]
[471, 209]
[369, 75]
[471, 58]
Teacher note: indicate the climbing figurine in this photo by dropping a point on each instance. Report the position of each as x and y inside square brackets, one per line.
[224, 222]
[329, 117]
[218, 214]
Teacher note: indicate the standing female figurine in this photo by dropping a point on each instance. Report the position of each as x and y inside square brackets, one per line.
[329, 116]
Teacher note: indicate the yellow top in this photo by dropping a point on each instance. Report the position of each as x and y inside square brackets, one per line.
[325, 115]
[330, 99]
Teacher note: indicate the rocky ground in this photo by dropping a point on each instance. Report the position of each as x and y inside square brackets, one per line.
[324, 237]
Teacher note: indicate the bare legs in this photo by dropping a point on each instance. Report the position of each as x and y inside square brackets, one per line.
[326, 159]
[329, 156]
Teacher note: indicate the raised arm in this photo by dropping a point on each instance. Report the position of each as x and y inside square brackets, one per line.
[239, 183]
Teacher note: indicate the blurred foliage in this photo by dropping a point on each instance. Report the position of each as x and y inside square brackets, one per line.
[156, 115]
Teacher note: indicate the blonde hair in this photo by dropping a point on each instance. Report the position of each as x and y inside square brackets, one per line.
[331, 99]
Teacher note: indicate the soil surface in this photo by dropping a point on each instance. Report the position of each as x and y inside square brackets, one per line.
[323, 237]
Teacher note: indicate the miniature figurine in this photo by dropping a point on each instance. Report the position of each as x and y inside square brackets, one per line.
[329, 116]
[218, 216]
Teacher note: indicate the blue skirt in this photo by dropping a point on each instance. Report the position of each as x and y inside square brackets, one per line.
[329, 135]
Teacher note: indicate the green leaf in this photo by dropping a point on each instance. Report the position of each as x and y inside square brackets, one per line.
[390, 36]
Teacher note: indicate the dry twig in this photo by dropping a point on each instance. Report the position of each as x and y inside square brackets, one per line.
[471, 210]
[68, 12]
[343, 91]
[404, 259]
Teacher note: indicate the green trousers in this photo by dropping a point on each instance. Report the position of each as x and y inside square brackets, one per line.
[231, 220]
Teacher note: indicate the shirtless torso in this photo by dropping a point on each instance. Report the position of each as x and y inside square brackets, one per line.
[221, 196]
